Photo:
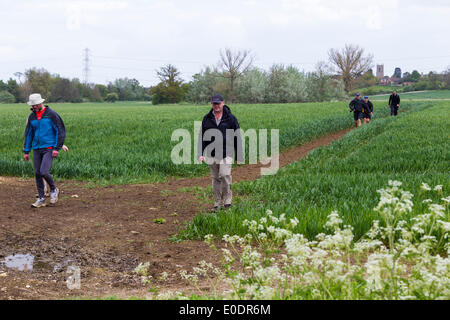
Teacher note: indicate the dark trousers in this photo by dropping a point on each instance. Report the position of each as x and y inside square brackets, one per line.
[394, 110]
[42, 159]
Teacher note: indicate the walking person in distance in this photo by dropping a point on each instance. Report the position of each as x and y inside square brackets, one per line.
[357, 105]
[220, 129]
[394, 103]
[45, 134]
[368, 109]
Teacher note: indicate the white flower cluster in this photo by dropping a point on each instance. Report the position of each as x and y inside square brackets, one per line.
[205, 271]
[142, 270]
[398, 258]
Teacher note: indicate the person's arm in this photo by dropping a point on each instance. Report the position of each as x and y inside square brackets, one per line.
[390, 99]
[28, 138]
[398, 100]
[351, 105]
[60, 131]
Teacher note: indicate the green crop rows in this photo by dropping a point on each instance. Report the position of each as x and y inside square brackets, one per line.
[131, 142]
[412, 147]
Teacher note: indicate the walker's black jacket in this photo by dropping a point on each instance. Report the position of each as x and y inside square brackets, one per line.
[394, 100]
[368, 107]
[356, 105]
[230, 148]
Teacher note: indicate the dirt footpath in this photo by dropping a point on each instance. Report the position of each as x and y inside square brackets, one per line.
[107, 232]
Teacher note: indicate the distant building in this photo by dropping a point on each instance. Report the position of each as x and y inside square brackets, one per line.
[386, 81]
[397, 73]
[380, 71]
[397, 77]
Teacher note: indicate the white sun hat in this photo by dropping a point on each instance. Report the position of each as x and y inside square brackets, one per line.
[35, 99]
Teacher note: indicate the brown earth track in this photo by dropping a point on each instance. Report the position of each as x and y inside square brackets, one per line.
[107, 231]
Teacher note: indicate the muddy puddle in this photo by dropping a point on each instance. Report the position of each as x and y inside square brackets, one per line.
[28, 262]
[49, 258]
[21, 262]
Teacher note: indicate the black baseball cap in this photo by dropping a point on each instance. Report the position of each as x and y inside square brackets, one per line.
[216, 98]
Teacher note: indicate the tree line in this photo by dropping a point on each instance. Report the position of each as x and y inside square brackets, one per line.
[234, 76]
[58, 89]
[239, 81]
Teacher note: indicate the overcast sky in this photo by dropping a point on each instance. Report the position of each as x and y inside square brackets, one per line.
[133, 38]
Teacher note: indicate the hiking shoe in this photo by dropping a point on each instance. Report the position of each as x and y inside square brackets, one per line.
[54, 196]
[215, 209]
[227, 206]
[40, 202]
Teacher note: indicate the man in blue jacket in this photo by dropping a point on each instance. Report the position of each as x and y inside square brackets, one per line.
[45, 134]
[220, 142]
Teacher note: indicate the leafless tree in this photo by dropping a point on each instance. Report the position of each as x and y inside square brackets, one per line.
[232, 65]
[169, 74]
[350, 62]
[323, 69]
[19, 76]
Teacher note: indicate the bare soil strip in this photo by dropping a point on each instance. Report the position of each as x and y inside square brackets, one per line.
[107, 231]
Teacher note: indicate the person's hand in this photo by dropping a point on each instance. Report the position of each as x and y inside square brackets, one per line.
[26, 157]
[55, 153]
[398, 105]
[64, 147]
[201, 158]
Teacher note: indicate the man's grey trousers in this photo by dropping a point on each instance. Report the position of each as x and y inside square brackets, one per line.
[221, 181]
[43, 160]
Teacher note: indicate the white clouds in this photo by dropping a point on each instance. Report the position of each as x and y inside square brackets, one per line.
[229, 29]
[8, 52]
[91, 12]
[370, 14]
[373, 18]
[73, 16]
[304, 12]
[178, 31]
[78, 13]
[425, 3]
